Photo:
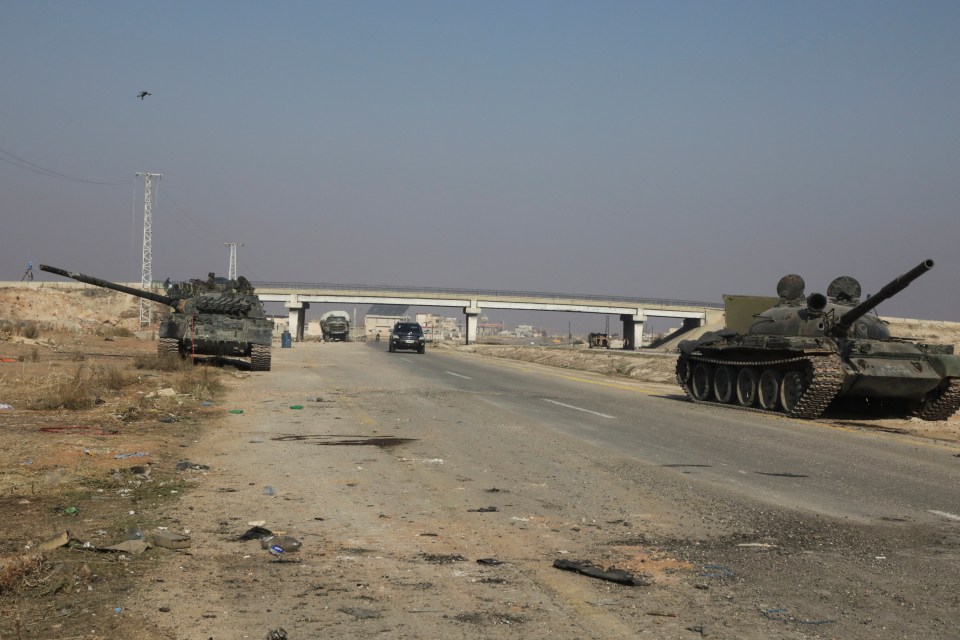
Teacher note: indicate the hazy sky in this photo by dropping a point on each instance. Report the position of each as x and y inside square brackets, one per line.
[668, 149]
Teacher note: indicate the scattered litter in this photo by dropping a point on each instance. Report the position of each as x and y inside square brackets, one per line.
[186, 464]
[269, 491]
[5, 406]
[296, 406]
[280, 546]
[612, 574]
[360, 614]
[170, 540]
[71, 511]
[169, 419]
[59, 540]
[5, 359]
[773, 614]
[430, 534]
[118, 610]
[490, 562]
[136, 547]
[761, 545]
[493, 490]
[254, 533]
[205, 403]
[235, 411]
[439, 558]
[257, 523]
[277, 634]
[483, 510]
[716, 571]
[662, 614]
[136, 454]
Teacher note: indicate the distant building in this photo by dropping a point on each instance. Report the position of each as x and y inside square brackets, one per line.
[382, 317]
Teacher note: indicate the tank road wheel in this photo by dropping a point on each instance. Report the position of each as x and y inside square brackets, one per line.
[259, 357]
[746, 387]
[724, 383]
[768, 389]
[701, 382]
[791, 390]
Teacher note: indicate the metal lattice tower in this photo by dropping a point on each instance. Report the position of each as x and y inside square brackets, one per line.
[232, 271]
[146, 275]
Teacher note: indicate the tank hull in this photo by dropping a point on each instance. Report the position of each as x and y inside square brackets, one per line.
[773, 373]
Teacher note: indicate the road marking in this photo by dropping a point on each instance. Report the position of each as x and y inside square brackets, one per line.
[406, 359]
[945, 514]
[570, 406]
[460, 375]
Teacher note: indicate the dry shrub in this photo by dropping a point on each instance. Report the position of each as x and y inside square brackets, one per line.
[30, 329]
[155, 362]
[110, 377]
[201, 382]
[34, 355]
[58, 391]
[18, 572]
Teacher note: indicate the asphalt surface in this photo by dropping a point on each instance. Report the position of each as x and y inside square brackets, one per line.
[399, 471]
[816, 466]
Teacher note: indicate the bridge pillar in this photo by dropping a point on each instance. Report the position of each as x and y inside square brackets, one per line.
[632, 331]
[298, 313]
[471, 324]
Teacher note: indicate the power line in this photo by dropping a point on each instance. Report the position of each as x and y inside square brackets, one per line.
[23, 163]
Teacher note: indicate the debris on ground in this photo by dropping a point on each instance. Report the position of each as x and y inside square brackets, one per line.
[612, 574]
[280, 546]
[170, 540]
[483, 510]
[254, 533]
[185, 465]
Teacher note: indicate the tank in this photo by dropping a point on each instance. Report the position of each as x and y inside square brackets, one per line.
[335, 325]
[807, 352]
[214, 317]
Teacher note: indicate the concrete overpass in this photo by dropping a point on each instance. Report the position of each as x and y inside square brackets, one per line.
[633, 312]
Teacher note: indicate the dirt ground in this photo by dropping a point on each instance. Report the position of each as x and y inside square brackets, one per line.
[92, 430]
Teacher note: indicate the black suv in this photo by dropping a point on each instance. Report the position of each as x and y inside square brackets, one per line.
[407, 335]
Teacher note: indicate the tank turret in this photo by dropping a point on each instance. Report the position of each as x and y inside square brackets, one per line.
[891, 289]
[807, 352]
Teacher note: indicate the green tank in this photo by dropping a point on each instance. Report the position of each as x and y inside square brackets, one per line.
[214, 317]
[806, 352]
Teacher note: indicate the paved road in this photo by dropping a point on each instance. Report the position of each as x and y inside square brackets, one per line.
[750, 526]
[819, 466]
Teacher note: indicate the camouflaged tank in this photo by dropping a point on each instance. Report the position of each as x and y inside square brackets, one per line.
[807, 351]
[213, 317]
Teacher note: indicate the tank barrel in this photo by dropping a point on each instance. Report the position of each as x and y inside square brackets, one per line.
[106, 284]
[889, 290]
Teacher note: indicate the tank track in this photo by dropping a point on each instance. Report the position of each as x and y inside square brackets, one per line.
[168, 348]
[825, 373]
[259, 357]
[945, 405]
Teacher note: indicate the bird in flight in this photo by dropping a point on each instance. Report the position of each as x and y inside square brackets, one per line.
[144, 94]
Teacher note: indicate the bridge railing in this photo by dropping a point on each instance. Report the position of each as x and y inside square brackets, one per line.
[481, 293]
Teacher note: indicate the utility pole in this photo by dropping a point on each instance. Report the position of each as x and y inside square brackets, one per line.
[232, 271]
[146, 275]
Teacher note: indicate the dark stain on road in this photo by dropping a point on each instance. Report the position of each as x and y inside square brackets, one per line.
[337, 440]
